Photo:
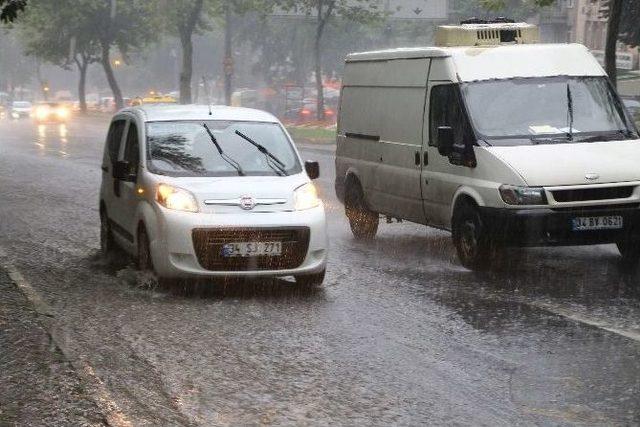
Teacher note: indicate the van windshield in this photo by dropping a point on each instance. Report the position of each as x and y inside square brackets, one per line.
[183, 148]
[549, 109]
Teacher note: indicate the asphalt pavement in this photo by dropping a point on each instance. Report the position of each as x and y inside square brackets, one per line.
[400, 333]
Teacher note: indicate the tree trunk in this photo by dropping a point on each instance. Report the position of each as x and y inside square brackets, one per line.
[613, 28]
[318, 65]
[111, 78]
[83, 64]
[187, 68]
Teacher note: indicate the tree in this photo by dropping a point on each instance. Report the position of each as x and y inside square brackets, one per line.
[629, 28]
[9, 9]
[323, 11]
[55, 34]
[123, 24]
[184, 19]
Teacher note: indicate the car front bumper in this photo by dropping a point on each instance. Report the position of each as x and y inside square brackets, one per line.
[553, 227]
[175, 255]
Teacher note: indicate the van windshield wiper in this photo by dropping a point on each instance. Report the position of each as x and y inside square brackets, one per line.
[226, 158]
[569, 112]
[273, 162]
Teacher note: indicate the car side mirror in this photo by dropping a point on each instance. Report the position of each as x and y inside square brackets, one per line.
[121, 171]
[312, 168]
[445, 140]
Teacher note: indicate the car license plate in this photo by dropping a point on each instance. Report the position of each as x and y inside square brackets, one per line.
[612, 222]
[249, 249]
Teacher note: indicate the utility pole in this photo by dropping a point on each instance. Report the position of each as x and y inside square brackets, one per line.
[228, 56]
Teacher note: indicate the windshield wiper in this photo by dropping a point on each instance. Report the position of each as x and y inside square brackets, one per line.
[226, 158]
[618, 135]
[569, 112]
[275, 163]
[550, 139]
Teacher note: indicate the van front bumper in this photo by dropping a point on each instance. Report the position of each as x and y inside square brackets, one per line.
[554, 227]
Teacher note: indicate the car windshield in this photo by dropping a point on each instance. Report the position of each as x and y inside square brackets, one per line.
[526, 110]
[21, 104]
[183, 148]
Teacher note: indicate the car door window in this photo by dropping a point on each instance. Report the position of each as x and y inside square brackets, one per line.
[132, 150]
[114, 138]
[446, 110]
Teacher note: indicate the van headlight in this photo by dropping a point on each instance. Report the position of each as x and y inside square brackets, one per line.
[513, 195]
[305, 197]
[176, 198]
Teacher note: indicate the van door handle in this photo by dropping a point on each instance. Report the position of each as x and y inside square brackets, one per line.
[426, 158]
[417, 158]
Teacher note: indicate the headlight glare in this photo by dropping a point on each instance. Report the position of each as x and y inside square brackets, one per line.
[306, 197]
[176, 198]
[514, 195]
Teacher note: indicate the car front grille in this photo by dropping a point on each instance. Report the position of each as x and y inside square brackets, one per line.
[590, 194]
[208, 243]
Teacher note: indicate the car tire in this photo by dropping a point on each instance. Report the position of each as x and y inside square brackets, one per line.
[629, 251]
[144, 261]
[363, 221]
[473, 245]
[310, 281]
[107, 243]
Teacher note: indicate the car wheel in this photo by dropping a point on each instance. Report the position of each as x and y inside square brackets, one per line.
[629, 250]
[473, 246]
[107, 243]
[145, 263]
[310, 281]
[364, 222]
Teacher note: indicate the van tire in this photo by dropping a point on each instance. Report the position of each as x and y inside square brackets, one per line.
[629, 250]
[364, 222]
[473, 245]
[107, 243]
[310, 281]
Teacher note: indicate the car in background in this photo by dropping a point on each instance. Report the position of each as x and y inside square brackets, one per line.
[51, 112]
[21, 109]
[307, 111]
[633, 106]
[199, 191]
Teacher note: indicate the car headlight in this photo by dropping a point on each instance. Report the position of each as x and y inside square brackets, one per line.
[306, 197]
[513, 195]
[176, 198]
[62, 112]
[42, 113]
[15, 115]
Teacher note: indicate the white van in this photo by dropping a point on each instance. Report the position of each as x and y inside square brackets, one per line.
[503, 142]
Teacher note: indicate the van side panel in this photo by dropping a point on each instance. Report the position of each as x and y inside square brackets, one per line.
[380, 133]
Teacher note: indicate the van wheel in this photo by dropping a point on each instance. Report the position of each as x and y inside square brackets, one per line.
[107, 243]
[310, 281]
[473, 246]
[363, 222]
[629, 250]
[145, 263]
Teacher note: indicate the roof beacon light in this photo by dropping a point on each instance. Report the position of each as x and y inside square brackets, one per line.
[477, 32]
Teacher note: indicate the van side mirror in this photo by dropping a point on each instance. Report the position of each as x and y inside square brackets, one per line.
[121, 171]
[312, 168]
[445, 140]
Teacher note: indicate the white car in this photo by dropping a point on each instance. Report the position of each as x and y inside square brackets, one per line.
[193, 191]
[493, 136]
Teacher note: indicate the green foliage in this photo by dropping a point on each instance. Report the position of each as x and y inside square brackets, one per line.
[9, 9]
[630, 23]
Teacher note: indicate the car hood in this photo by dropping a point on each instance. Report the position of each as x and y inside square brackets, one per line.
[569, 164]
[223, 194]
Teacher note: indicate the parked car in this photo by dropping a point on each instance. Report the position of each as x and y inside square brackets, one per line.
[21, 109]
[199, 192]
[502, 141]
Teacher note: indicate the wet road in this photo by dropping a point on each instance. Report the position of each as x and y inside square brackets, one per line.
[400, 333]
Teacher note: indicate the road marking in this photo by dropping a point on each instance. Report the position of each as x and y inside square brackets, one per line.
[580, 318]
[99, 392]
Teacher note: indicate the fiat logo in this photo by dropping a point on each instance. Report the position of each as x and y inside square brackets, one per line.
[247, 203]
[591, 176]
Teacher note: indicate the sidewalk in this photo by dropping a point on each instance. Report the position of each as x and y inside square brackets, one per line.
[38, 387]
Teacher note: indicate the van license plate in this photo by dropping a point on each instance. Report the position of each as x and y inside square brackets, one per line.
[612, 222]
[248, 249]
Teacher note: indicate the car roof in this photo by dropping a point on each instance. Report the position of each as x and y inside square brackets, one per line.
[172, 112]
